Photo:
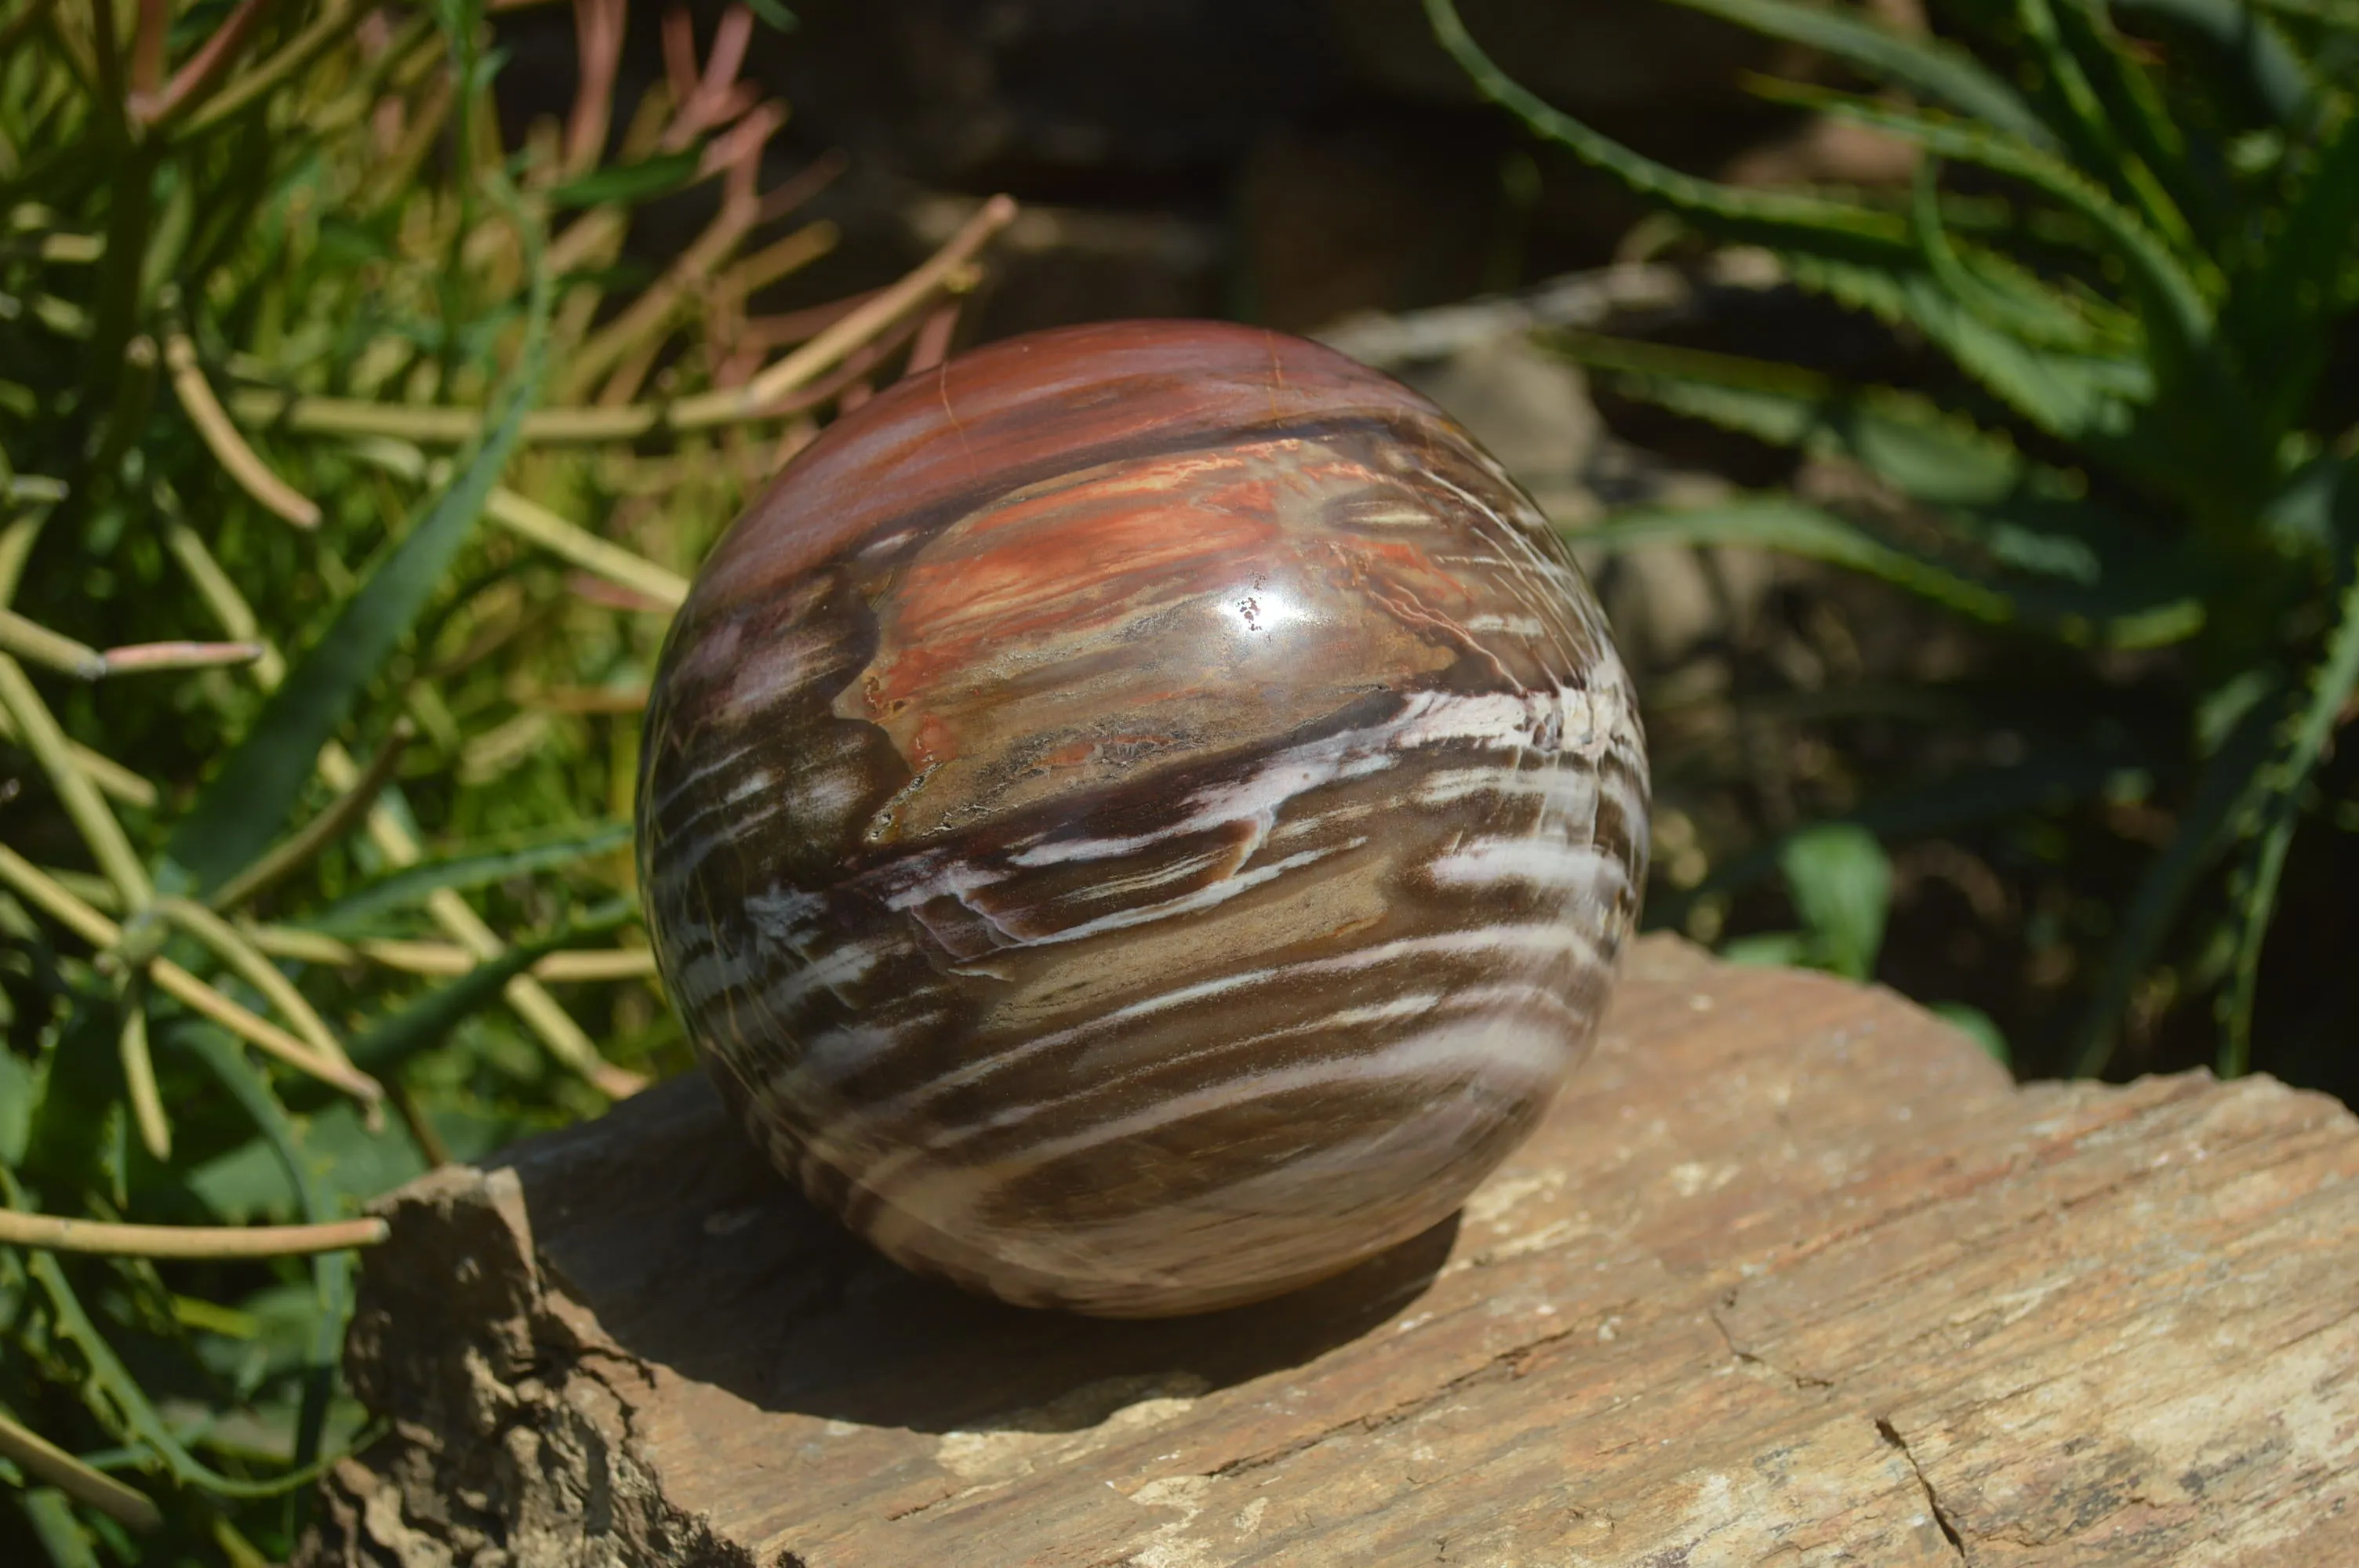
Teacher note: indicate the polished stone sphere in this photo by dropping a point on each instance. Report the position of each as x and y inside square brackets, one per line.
[1140, 818]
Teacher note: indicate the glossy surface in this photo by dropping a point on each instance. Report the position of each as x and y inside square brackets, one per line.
[1141, 818]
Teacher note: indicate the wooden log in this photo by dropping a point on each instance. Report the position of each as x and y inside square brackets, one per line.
[1792, 1274]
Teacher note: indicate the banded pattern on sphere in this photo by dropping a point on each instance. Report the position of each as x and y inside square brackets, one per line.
[1141, 818]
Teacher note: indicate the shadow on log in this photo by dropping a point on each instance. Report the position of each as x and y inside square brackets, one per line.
[1790, 1269]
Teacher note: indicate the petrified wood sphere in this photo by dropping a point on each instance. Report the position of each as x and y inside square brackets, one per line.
[1140, 819]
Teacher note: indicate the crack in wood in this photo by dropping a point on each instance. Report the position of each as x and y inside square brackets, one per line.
[1891, 1434]
[1727, 1303]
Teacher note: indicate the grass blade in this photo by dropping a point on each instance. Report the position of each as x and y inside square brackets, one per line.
[331, 1272]
[1813, 224]
[2135, 104]
[1797, 528]
[2203, 421]
[2303, 285]
[2010, 298]
[52, 1520]
[2064, 567]
[239, 956]
[1942, 72]
[2331, 13]
[424, 1024]
[2023, 515]
[109, 844]
[1909, 441]
[629, 182]
[2285, 785]
[414, 885]
[409, 1031]
[2177, 298]
[2230, 786]
[2094, 132]
[2080, 399]
[2252, 47]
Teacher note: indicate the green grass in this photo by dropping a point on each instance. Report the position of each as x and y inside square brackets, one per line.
[2138, 254]
[349, 474]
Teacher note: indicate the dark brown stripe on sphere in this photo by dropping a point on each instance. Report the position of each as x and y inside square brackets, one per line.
[1141, 818]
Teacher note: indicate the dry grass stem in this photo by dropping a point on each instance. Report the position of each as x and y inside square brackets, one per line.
[598, 27]
[835, 384]
[255, 971]
[932, 344]
[54, 1234]
[204, 410]
[859, 327]
[652, 311]
[529, 520]
[29, 639]
[223, 599]
[16, 542]
[777, 259]
[147, 43]
[570, 541]
[260, 1032]
[110, 776]
[137, 658]
[72, 249]
[140, 1076]
[565, 1038]
[32, 640]
[358, 417]
[341, 815]
[15, 545]
[586, 699]
[421, 1127]
[45, 1461]
[335, 19]
[837, 332]
[736, 150]
[526, 996]
[194, 80]
[444, 960]
[38, 729]
[802, 185]
[713, 96]
[45, 893]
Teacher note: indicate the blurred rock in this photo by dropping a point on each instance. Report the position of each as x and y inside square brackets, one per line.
[1529, 408]
[1825, 151]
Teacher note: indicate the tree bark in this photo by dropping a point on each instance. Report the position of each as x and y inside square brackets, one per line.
[1792, 1272]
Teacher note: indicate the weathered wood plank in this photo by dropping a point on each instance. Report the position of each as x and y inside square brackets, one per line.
[1791, 1273]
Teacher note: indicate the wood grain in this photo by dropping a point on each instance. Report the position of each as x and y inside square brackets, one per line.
[1791, 1273]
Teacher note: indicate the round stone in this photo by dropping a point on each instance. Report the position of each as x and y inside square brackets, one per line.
[1140, 818]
